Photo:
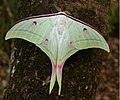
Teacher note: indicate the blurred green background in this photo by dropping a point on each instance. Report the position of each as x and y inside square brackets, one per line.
[8, 10]
[8, 13]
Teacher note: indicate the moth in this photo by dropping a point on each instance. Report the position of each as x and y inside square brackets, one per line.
[59, 36]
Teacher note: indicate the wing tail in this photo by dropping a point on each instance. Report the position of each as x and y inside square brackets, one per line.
[53, 77]
[59, 76]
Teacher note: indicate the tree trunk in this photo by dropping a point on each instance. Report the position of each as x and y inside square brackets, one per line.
[30, 67]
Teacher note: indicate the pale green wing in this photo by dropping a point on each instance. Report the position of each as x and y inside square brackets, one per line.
[31, 30]
[82, 36]
[67, 48]
[35, 30]
[77, 36]
[85, 37]
[41, 32]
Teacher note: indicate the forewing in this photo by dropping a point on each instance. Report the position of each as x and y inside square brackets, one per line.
[36, 30]
[85, 37]
[32, 30]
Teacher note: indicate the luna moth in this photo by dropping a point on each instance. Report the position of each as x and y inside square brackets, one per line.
[58, 35]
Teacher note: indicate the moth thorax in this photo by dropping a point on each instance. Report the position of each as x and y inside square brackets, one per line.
[60, 29]
[61, 23]
[61, 20]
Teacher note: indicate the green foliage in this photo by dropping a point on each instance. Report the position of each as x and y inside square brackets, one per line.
[118, 98]
[114, 16]
[8, 9]
[13, 5]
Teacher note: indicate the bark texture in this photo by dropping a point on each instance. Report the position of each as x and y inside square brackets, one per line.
[31, 67]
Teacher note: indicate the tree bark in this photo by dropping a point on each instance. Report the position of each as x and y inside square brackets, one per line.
[30, 67]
